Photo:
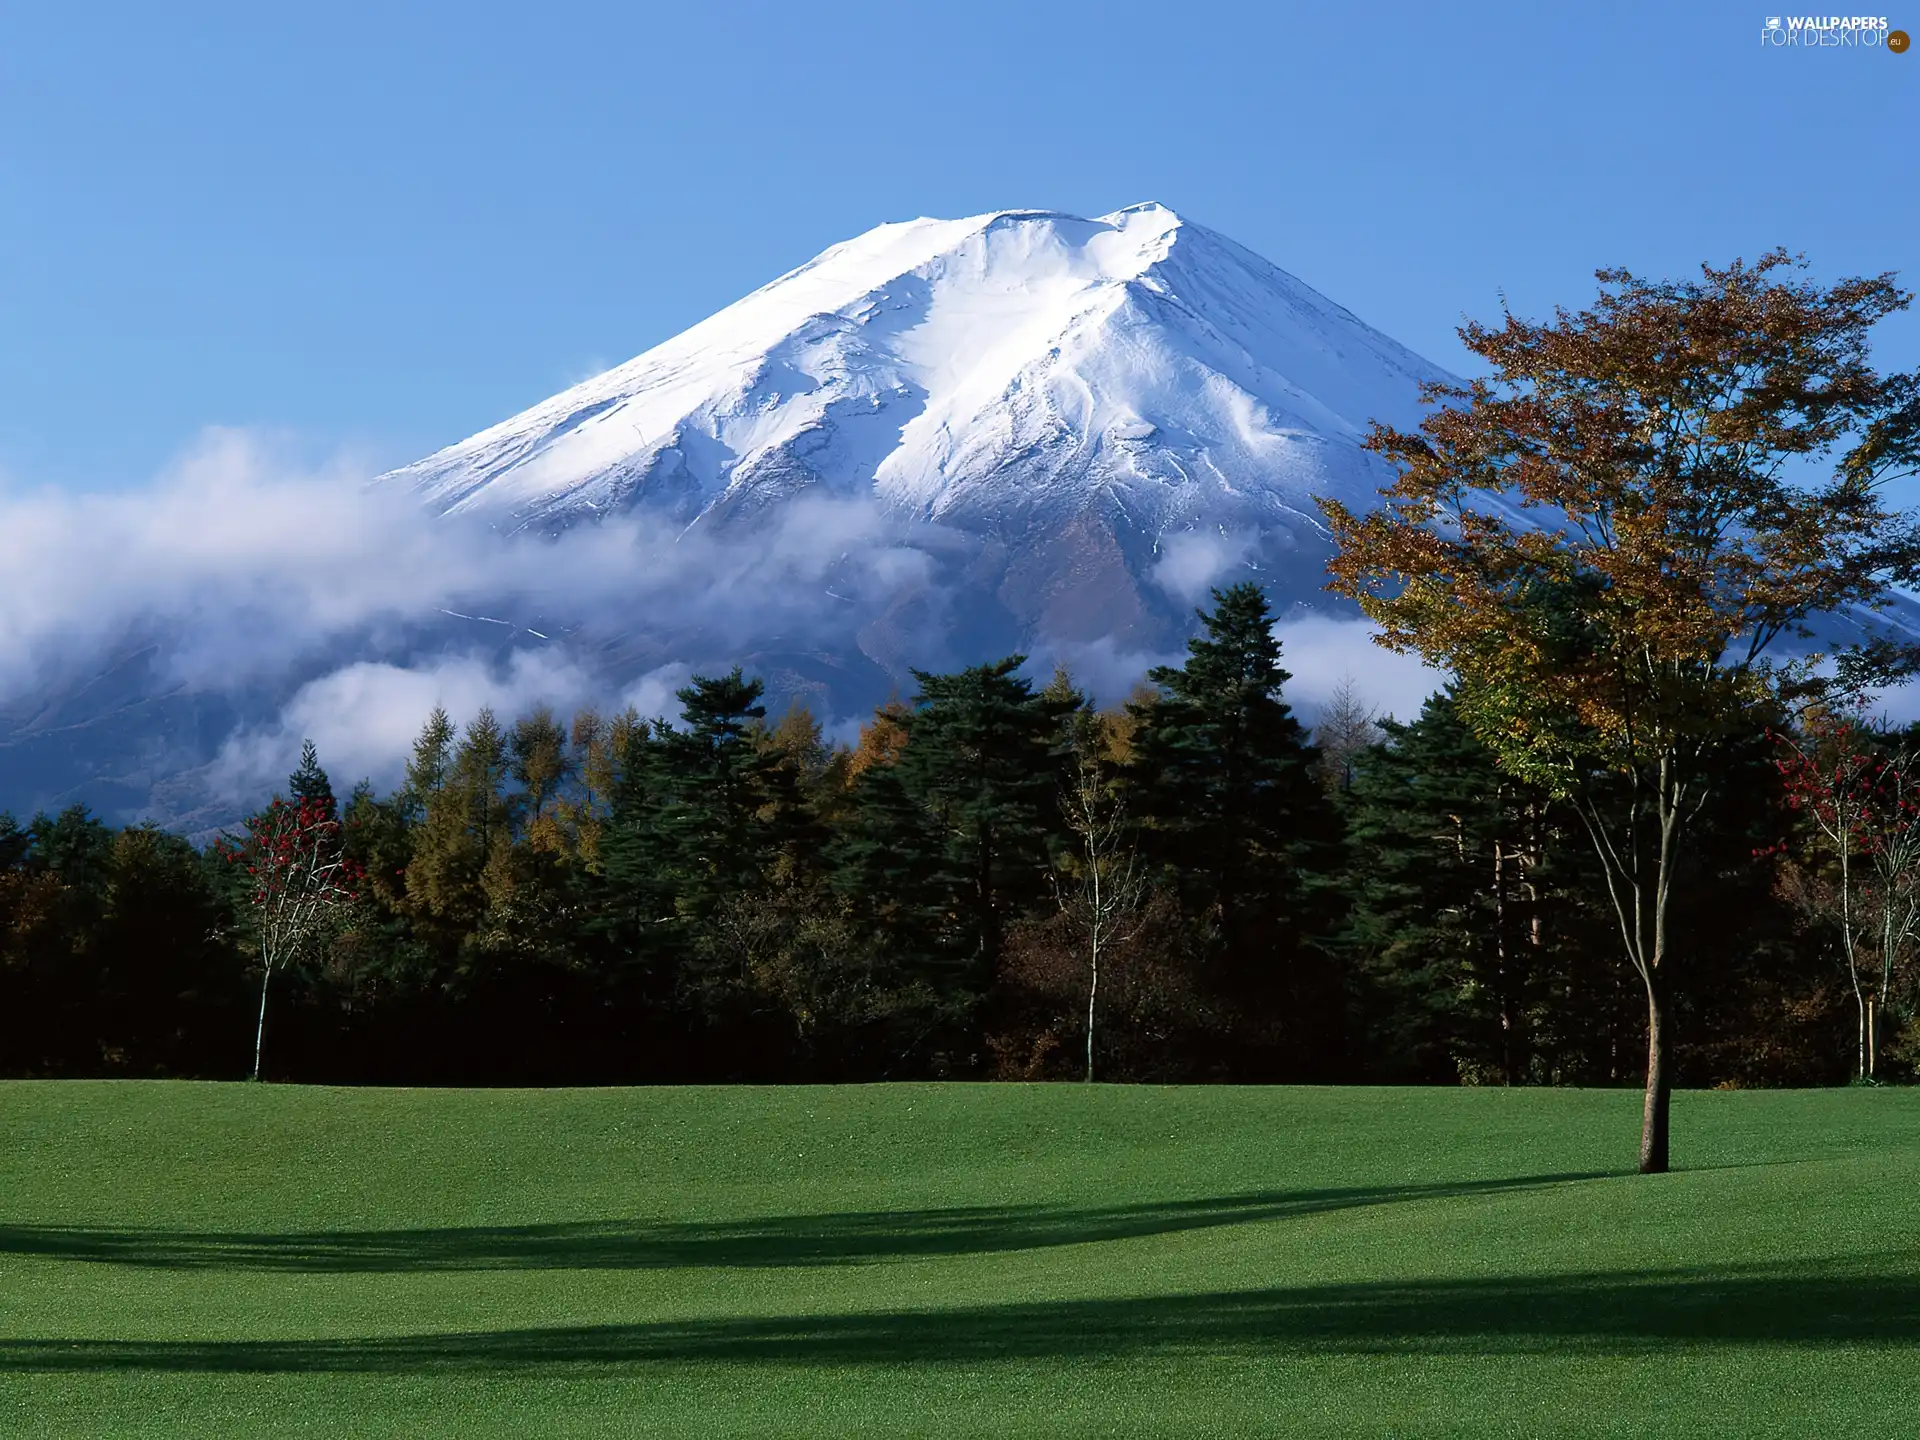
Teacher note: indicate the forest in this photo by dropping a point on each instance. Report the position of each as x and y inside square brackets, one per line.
[999, 880]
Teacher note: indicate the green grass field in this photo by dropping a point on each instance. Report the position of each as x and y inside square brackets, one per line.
[952, 1260]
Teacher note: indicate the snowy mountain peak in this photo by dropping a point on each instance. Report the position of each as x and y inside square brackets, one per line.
[1105, 417]
[984, 372]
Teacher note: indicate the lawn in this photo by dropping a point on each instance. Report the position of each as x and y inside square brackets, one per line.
[959, 1260]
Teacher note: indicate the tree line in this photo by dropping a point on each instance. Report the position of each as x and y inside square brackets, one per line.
[998, 880]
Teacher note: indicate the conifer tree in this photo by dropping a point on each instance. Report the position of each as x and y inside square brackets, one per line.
[308, 785]
[1224, 777]
[1446, 856]
[635, 910]
[465, 819]
[427, 767]
[983, 760]
[731, 797]
[896, 876]
[539, 763]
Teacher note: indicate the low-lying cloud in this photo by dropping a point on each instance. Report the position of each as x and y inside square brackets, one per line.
[352, 612]
[326, 608]
[256, 566]
[1192, 562]
[364, 717]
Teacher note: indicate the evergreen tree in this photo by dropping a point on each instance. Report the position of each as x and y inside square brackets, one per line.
[1447, 913]
[982, 765]
[897, 880]
[427, 767]
[1226, 781]
[637, 873]
[309, 784]
[733, 803]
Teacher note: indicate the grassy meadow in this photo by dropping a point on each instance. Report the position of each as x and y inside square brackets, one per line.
[952, 1260]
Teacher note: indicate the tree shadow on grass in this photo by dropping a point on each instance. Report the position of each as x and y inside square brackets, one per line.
[1596, 1314]
[832, 1239]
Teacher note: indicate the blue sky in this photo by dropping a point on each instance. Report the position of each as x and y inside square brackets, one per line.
[379, 228]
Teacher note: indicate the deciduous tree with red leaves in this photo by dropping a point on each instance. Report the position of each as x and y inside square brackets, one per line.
[1860, 792]
[298, 881]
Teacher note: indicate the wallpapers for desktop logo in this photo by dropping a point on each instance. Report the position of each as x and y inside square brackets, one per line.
[1859, 32]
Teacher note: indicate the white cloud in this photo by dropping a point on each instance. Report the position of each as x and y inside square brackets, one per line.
[1321, 649]
[248, 566]
[1100, 668]
[1193, 561]
[653, 693]
[254, 577]
[363, 717]
[259, 579]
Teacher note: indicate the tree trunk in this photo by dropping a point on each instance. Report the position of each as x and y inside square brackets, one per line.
[1860, 1015]
[260, 1029]
[1653, 1121]
[1093, 990]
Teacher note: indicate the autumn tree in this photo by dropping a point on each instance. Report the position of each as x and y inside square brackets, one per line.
[428, 765]
[464, 823]
[540, 765]
[1605, 538]
[298, 882]
[1859, 790]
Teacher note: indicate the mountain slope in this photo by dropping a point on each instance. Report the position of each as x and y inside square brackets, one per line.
[1080, 391]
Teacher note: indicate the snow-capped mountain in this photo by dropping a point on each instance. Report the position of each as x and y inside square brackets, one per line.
[1089, 396]
[937, 443]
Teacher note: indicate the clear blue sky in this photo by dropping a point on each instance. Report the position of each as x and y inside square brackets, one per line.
[383, 227]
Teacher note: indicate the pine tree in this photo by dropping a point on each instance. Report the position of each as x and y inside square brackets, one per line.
[1224, 777]
[726, 789]
[635, 894]
[983, 764]
[309, 785]
[1447, 916]
[897, 880]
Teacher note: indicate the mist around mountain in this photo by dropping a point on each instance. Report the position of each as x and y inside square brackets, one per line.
[939, 442]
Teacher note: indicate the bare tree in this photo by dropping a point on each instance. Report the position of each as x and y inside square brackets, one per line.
[1101, 891]
[1347, 726]
[1894, 901]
